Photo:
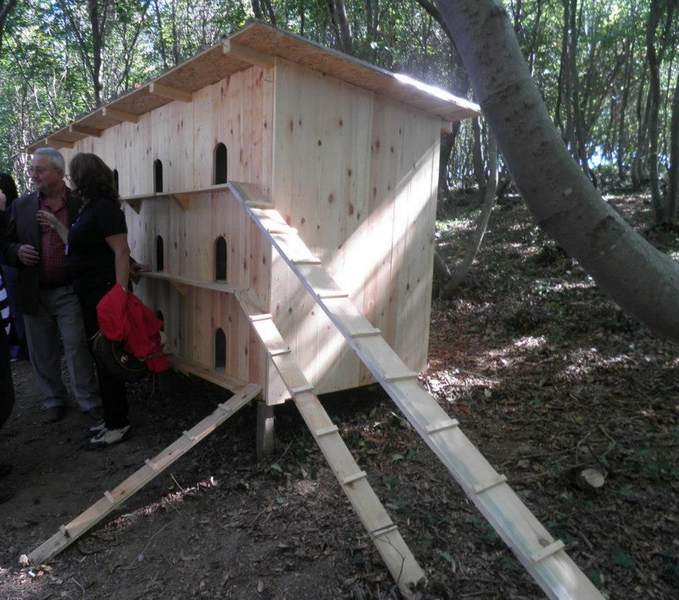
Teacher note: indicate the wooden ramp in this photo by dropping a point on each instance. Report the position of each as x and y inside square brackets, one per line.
[374, 517]
[543, 556]
[69, 533]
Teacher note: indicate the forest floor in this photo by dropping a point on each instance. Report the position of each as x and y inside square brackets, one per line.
[547, 377]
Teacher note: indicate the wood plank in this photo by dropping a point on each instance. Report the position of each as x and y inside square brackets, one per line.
[119, 115]
[183, 200]
[69, 533]
[165, 91]
[247, 55]
[57, 143]
[84, 130]
[213, 376]
[263, 38]
[389, 543]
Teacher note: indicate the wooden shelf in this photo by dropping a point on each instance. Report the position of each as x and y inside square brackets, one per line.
[153, 195]
[215, 376]
[215, 286]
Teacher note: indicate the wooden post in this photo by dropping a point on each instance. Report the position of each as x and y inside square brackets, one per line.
[265, 430]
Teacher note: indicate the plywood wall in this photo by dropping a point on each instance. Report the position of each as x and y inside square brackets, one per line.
[236, 112]
[356, 175]
[353, 172]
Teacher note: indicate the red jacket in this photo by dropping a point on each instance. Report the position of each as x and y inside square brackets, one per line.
[125, 318]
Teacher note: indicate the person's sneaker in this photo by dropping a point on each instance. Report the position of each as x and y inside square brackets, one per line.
[107, 437]
[98, 427]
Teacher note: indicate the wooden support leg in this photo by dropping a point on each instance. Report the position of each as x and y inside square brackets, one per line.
[68, 534]
[265, 430]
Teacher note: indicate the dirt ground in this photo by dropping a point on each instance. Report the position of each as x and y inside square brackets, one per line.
[546, 376]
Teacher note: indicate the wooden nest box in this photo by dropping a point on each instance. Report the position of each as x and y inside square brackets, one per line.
[285, 196]
[325, 148]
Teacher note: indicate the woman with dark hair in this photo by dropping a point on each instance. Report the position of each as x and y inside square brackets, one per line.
[18, 347]
[97, 258]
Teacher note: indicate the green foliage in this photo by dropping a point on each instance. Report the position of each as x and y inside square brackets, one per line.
[48, 71]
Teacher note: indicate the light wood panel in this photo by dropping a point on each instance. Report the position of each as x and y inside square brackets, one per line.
[353, 172]
[355, 175]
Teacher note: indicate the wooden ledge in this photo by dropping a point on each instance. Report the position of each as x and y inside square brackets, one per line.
[119, 115]
[247, 55]
[173, 195]
[165, 91]
[216, 286]
[215, 376]
[85, 131]
[55, 143]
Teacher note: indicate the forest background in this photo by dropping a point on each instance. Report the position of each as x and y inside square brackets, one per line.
[549, 376]
[608, 70]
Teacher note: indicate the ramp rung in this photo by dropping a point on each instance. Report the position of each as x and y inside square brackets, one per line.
[548, 551]
[262, 317]
[64, 531]
[391, 378]
[331, 294]
[366, 333]
[281, 230]
[383, 530]
[326, 431]
[301, 389]
[148, 462]
[110, 498]
[307, 261]
[354, 477]
[479, 488]
[189, 436]
[280, 352]
[442, 426]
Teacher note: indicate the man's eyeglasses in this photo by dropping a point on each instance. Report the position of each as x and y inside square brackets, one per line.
[37, 170]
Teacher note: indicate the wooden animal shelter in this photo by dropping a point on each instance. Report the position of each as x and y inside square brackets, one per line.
[284, 195]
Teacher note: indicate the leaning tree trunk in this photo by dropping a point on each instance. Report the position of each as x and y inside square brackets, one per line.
[672, 199]
[642, 280]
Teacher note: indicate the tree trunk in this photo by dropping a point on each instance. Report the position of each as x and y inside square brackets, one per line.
[447, 144]
[622, 130]
[639, 175]
[257, 9]
[477, 155]
[462, 270]
[672, 200]
[642, 280]
[161, 35]
[338, 15]
[6, 7]
[654, 107]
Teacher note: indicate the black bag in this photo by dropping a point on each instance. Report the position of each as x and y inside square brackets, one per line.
[111, 356]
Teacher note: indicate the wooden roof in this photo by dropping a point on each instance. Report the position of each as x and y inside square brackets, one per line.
[258, 43]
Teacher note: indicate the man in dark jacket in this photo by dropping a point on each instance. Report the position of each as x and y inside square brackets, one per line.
[50, 306]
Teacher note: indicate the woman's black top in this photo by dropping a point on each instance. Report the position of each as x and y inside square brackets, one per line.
[89, 259]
